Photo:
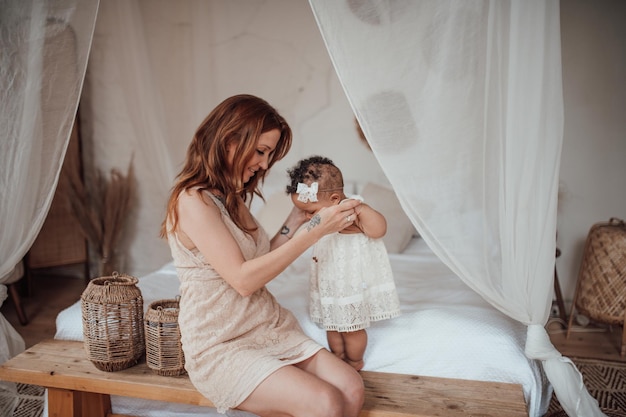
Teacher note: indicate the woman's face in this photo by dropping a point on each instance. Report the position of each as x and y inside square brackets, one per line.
[265, 147]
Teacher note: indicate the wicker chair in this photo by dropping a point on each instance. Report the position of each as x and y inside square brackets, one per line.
[601, 288]
[11, 280]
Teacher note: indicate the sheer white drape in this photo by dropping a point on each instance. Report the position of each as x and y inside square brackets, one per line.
[461, 102]
[43, 54]
[145, 92]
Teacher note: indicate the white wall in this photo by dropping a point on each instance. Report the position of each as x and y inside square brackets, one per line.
[197, 54]
[273, 49]
[593, 163]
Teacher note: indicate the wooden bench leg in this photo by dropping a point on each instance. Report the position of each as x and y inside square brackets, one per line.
[62, 402]
[67, 403]
[96, 404]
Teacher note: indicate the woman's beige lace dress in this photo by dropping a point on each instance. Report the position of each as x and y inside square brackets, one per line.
[232, 343]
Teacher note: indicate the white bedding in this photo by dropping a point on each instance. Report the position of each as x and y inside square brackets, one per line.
[445, 330]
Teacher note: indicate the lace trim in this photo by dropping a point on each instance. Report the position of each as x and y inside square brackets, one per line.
[355, 327]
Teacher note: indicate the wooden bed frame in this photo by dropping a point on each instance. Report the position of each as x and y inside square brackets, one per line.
[77, 388]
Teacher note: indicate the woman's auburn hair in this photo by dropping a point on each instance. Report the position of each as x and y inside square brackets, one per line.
[238, 120]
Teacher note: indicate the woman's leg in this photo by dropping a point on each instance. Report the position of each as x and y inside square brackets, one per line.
[338, 373]
[321, 386]
[355, 344]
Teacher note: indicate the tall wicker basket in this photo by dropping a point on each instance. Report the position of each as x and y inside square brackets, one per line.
[112, 310]
[164, 352]
[601, 289]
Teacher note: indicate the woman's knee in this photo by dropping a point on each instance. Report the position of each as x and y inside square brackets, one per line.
[354, 392]
[329, 402]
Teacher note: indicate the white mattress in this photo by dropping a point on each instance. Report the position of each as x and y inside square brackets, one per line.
[445, 330]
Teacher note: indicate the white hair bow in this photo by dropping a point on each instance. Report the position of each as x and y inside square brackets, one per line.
[306, 193]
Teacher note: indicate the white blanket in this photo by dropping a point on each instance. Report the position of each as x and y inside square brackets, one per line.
[445, 330]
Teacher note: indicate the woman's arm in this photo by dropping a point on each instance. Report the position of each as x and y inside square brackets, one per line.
[201, 223]
[371, 222]
[295, 219]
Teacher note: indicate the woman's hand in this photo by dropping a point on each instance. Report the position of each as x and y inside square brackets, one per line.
[334, 218]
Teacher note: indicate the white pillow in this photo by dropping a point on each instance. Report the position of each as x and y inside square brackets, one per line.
[400, 230]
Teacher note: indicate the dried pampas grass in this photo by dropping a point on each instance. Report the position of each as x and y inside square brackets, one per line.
[102, 211]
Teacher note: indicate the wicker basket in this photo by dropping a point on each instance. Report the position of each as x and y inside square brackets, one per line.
[112, 310]
[164, 353]
[601, 289]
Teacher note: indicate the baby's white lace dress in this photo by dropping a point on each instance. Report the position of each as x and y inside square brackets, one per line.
[351, 283]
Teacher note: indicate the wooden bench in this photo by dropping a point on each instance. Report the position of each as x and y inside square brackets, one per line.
[77, 388]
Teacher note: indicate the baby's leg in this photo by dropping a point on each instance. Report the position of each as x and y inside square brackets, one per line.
[355, 344]
[336, 344]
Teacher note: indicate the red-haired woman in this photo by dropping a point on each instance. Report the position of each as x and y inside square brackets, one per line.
[242, 349]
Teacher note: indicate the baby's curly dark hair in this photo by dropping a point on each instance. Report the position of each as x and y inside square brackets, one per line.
[315, 168]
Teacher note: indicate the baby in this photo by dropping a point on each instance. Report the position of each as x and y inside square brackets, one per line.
[351, 283]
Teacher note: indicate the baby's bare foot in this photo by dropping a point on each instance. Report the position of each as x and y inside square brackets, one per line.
[340, 355]
[358, 365]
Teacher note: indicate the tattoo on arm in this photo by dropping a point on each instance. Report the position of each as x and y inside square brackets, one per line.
[315, 220]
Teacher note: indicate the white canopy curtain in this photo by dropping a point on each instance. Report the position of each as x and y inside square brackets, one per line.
[146, 89]
[461, 102]
[43, 54]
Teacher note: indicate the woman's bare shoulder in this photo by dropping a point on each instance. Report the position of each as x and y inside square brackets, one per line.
[194, 203]
[196, 196]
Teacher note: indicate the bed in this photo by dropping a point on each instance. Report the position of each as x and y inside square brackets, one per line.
[445, 329]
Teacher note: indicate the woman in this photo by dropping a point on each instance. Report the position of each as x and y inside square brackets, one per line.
[242, 349]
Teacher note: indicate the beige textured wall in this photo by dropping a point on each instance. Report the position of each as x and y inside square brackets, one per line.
[593, 162]
[273, 49]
